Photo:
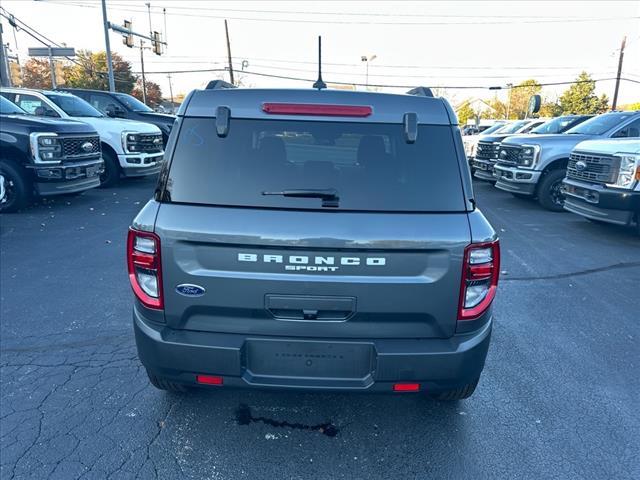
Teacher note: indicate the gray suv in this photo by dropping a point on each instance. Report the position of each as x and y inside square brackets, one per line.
[314, 239]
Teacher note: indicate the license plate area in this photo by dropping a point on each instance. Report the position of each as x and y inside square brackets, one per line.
[299, 360]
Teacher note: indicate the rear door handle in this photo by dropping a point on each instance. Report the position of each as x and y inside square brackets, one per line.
[309, 307]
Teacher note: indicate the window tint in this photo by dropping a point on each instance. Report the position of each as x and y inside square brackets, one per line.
[33, 105]
[100, 101]
[7, 108]
[132, 103]
[600, 124]
[73, 106]
[370, 166]
[630, 131]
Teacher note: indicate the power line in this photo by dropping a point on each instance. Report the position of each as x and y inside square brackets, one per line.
[472, 21]
[456, 87]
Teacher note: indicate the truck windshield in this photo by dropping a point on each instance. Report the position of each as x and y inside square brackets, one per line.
[492, 128]
[370, 166]
[557, 125]
[9, 108]
[132, 103]
[74, 106]
[601, 124]
[513, 127]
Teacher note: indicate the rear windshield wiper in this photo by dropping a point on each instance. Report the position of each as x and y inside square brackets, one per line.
[329, 197]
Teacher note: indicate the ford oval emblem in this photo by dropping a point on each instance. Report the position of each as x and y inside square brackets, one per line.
[189, 290]
[581, 166]
[87, 146]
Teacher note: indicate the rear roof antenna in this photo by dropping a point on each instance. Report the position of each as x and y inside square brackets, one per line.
[319, 84]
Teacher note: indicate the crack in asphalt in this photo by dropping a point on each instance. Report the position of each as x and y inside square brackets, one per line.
[578, 273]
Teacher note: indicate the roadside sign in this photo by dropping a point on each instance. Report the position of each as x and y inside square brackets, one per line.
[55, 52]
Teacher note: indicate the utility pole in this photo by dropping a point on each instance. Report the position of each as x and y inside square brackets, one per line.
[149, 12]
[170, 88]
[53, 70]
[614, 104]
[5, 74]
[144, 80]
[105, 23]
[510, 85]
[226, 29]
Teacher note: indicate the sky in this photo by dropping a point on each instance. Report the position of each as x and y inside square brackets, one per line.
[441, 44]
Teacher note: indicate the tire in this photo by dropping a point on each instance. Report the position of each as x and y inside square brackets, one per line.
[549, 195]
[164, 384]
[17, 188]
[111, 175]
[457, 393]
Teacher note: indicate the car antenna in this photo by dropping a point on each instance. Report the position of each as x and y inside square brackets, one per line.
[319, 84]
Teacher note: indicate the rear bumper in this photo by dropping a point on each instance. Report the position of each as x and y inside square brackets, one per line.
[437, 364]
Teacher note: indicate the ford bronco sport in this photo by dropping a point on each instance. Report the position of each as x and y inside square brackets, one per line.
[314, 239]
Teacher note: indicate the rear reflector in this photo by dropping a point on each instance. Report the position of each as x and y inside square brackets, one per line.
[317, 109]
[208, 380]
[406, 387]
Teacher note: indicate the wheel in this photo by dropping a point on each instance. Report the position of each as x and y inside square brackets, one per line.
[164, 384]
[521, 196]
[549, 194]
[111, 174]
[17, 188]
[458, 393]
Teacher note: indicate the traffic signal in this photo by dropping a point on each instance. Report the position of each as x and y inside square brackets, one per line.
[127, 39]
[157, 43]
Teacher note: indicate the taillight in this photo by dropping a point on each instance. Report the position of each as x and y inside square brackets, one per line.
[145, 268]
[480, 271]
[317, 109]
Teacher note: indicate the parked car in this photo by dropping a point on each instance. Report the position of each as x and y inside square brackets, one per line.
[603, 181]
[470, 142]
[44, 156]
[314, 239]
[535, 166]
[488, 145]
[122, 105]
[129, 148]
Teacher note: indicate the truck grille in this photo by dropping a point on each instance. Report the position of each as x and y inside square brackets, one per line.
[72, 147]
[509, 155]
[593, 168]
[487, 151]
[147, 143]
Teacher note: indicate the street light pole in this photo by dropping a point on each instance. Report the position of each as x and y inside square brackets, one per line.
[367, 59]
[144, 80]
[510, 85]
[105, 23]
[53, 70]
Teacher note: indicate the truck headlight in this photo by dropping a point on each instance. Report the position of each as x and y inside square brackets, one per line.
[45, 147]
[528, 156]
[129, 142]
[629, 172]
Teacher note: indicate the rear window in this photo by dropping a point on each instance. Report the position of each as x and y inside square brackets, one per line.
[370, 166]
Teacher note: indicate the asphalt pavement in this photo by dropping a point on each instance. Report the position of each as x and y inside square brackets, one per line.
[559, 398]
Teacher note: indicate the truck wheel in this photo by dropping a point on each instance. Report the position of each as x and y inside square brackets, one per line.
[549, 193]
[164, 384]
[17, 188]
[111, 174]
[457, 393]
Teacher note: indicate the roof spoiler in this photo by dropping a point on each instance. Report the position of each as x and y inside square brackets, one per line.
[421, 92]
[218, 85]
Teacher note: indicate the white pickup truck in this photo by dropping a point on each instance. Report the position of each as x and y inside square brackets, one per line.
[603, 181]
[129, 148]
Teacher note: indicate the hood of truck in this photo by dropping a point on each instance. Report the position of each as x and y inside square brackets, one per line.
[555, 140]
[497, 138]
[112, 126]
[32, 123]
[610, 147]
